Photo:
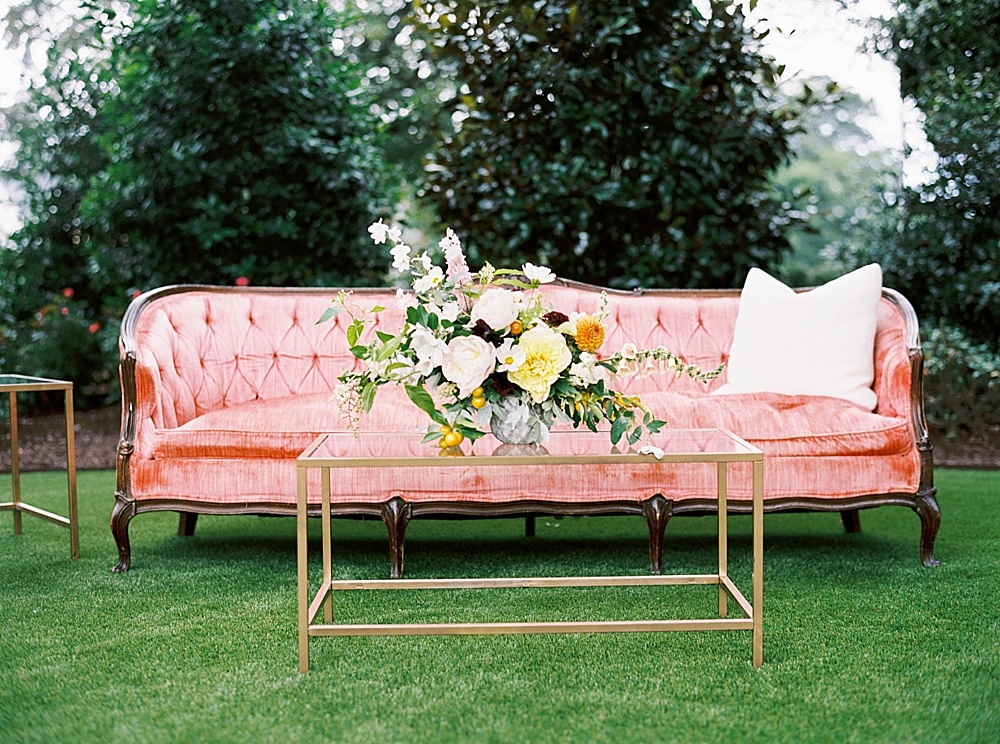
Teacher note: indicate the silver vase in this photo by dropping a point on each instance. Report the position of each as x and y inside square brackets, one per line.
[516, 421]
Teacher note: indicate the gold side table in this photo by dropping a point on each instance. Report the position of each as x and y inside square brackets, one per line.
[14, 384]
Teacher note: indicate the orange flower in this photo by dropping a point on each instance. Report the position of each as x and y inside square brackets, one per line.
[589, 333]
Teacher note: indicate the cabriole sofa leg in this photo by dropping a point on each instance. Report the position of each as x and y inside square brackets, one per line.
[851, 519]
[121, 515]
[927, 508]
[657, 511]
[186, 523]
[396, 515]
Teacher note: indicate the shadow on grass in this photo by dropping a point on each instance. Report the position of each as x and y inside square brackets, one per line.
[500, 548]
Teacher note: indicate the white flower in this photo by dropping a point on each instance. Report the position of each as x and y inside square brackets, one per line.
[601, 311]
[648, 362]
[509, 356]
[430, 350]
[450, 242]
[379, 231]
[450, 312]
[540, 274]
[422, 262]
[347, 395]
[497, 307]
[405, 299]
[428, 281]
[569, 327]
[467, 363]
[377, 367]
[587, 371]
[453, 255]
[629, 351]
[486, 274]
[649, 449]
[401, 257]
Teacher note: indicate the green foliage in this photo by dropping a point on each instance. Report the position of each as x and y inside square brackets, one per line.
[961, 383]
[238, 145]
[617, 142]
[940, 241]
[840, 171]
[56, 129]
[191, 140]
[402, 81]
[63, 340]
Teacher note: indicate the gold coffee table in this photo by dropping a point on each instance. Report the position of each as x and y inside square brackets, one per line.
[576, 454]
[14, 384]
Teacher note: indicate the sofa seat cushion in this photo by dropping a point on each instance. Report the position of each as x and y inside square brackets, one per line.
[788, 425]
[780, 425]
[281, 427]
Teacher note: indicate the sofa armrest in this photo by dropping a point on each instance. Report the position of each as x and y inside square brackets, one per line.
[898, 358]
[145, 404]
[899, 372]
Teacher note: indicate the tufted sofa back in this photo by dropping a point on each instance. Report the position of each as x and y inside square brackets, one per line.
[197, 349]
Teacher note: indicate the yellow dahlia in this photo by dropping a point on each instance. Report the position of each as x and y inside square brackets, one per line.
[589, 333]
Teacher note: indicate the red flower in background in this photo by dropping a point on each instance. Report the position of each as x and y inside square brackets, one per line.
[67, 293]
[242, 281]
[94, 327]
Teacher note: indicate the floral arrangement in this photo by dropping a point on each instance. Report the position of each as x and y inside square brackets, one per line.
[481, 352]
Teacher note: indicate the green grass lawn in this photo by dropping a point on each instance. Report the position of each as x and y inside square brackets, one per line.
[198, 641]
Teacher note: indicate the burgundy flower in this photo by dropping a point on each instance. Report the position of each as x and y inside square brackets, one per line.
[483, 330]
[501, 384]
[555, 318]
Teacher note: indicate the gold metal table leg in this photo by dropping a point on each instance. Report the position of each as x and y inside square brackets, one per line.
[303, 573]
[74, 528]
[327, 547]
[15, 464]
[723, 493]
[758, 563]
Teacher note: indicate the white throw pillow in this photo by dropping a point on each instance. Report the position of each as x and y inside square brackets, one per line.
[820, 342]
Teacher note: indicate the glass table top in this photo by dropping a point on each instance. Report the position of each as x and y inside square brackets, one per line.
[10, 382]
[405, 449]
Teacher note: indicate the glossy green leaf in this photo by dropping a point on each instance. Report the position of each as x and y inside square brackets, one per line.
[423, 400]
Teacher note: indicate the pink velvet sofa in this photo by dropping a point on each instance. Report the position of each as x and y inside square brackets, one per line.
[223, 387]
